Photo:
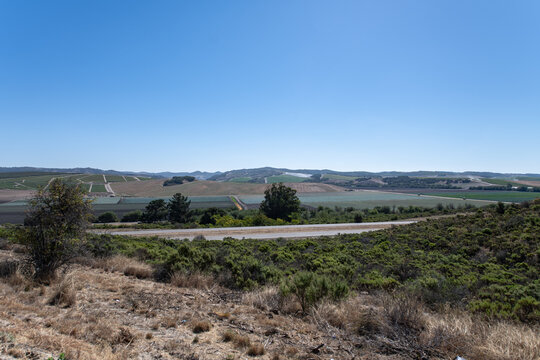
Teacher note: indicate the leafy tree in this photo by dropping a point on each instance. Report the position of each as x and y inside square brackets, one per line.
[55, 226]
[156, 210]
[107, 217]
[178, 208]
[280, 201]
[177, 180]
[208, 215]
[132, 216]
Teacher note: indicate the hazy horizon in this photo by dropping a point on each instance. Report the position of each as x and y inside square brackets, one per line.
[277, 167]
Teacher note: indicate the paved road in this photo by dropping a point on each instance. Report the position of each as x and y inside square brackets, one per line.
[261, 232]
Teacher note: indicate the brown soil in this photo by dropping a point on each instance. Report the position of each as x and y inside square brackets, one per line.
[10, 195]
[529, 183]
[208, 188]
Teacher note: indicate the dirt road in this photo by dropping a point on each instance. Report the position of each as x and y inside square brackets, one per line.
[261, 232]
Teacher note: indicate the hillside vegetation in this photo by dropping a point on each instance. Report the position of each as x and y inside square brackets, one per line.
[487, 262]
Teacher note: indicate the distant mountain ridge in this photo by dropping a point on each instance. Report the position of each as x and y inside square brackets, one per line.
[201, 175]
[270, 171]
[266, 172]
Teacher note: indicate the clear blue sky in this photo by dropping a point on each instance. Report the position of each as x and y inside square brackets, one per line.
[218, 85]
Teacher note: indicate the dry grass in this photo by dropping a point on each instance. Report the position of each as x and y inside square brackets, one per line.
[460, 332]
[239, 341]
[404, 319]
[269, 298]
[194, 280]
[201, 326]
[64, 293]
[120, 317]
[256, 349]
[125, 265]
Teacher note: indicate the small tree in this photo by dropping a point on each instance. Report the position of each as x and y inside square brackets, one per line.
[178, 208]
[132, 216]
[55, 226]
[156, 210]
[107, 217]
[280, 201]
[208, 216]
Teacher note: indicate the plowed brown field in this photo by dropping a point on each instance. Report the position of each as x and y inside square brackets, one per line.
[201, 188]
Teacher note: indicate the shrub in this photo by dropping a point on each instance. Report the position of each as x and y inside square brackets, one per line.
[8, 268]
[310, 288]
[132, 216]
[55, 225]
[107, 217]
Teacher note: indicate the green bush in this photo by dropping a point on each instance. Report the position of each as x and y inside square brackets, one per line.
[107, 217]
[310, 289]
[132, 216]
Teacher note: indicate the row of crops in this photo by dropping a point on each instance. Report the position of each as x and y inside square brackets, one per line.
[369, 199]
[33, 181]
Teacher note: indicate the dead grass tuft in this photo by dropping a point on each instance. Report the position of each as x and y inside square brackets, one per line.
[124, 336]
[405, 312]
[239, 341]
[194, 280]
[168, 322]
[8, 267]
[228, 336]
[256, 349]
[267, 298]
[201, 326]
[140, 271]
[64, 293]
[125, 265]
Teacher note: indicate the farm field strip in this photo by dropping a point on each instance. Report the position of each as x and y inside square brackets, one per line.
[284, 179]
[97, 188]
[491, 195]
[368, 199]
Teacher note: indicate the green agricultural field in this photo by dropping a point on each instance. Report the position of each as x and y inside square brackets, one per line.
[14, 212]
[130, 178]
[240, 179]
[197, 202]
[32, 182]
[85, 187]
[529, 178]
[285, 179]
[367, 200]
[492, 195]
[93, 178]
[115, 178]
[96, 188]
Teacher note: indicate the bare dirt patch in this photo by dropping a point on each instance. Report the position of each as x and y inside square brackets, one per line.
[314, 187]
[208, 188]
[528, 183]
[11, 195]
